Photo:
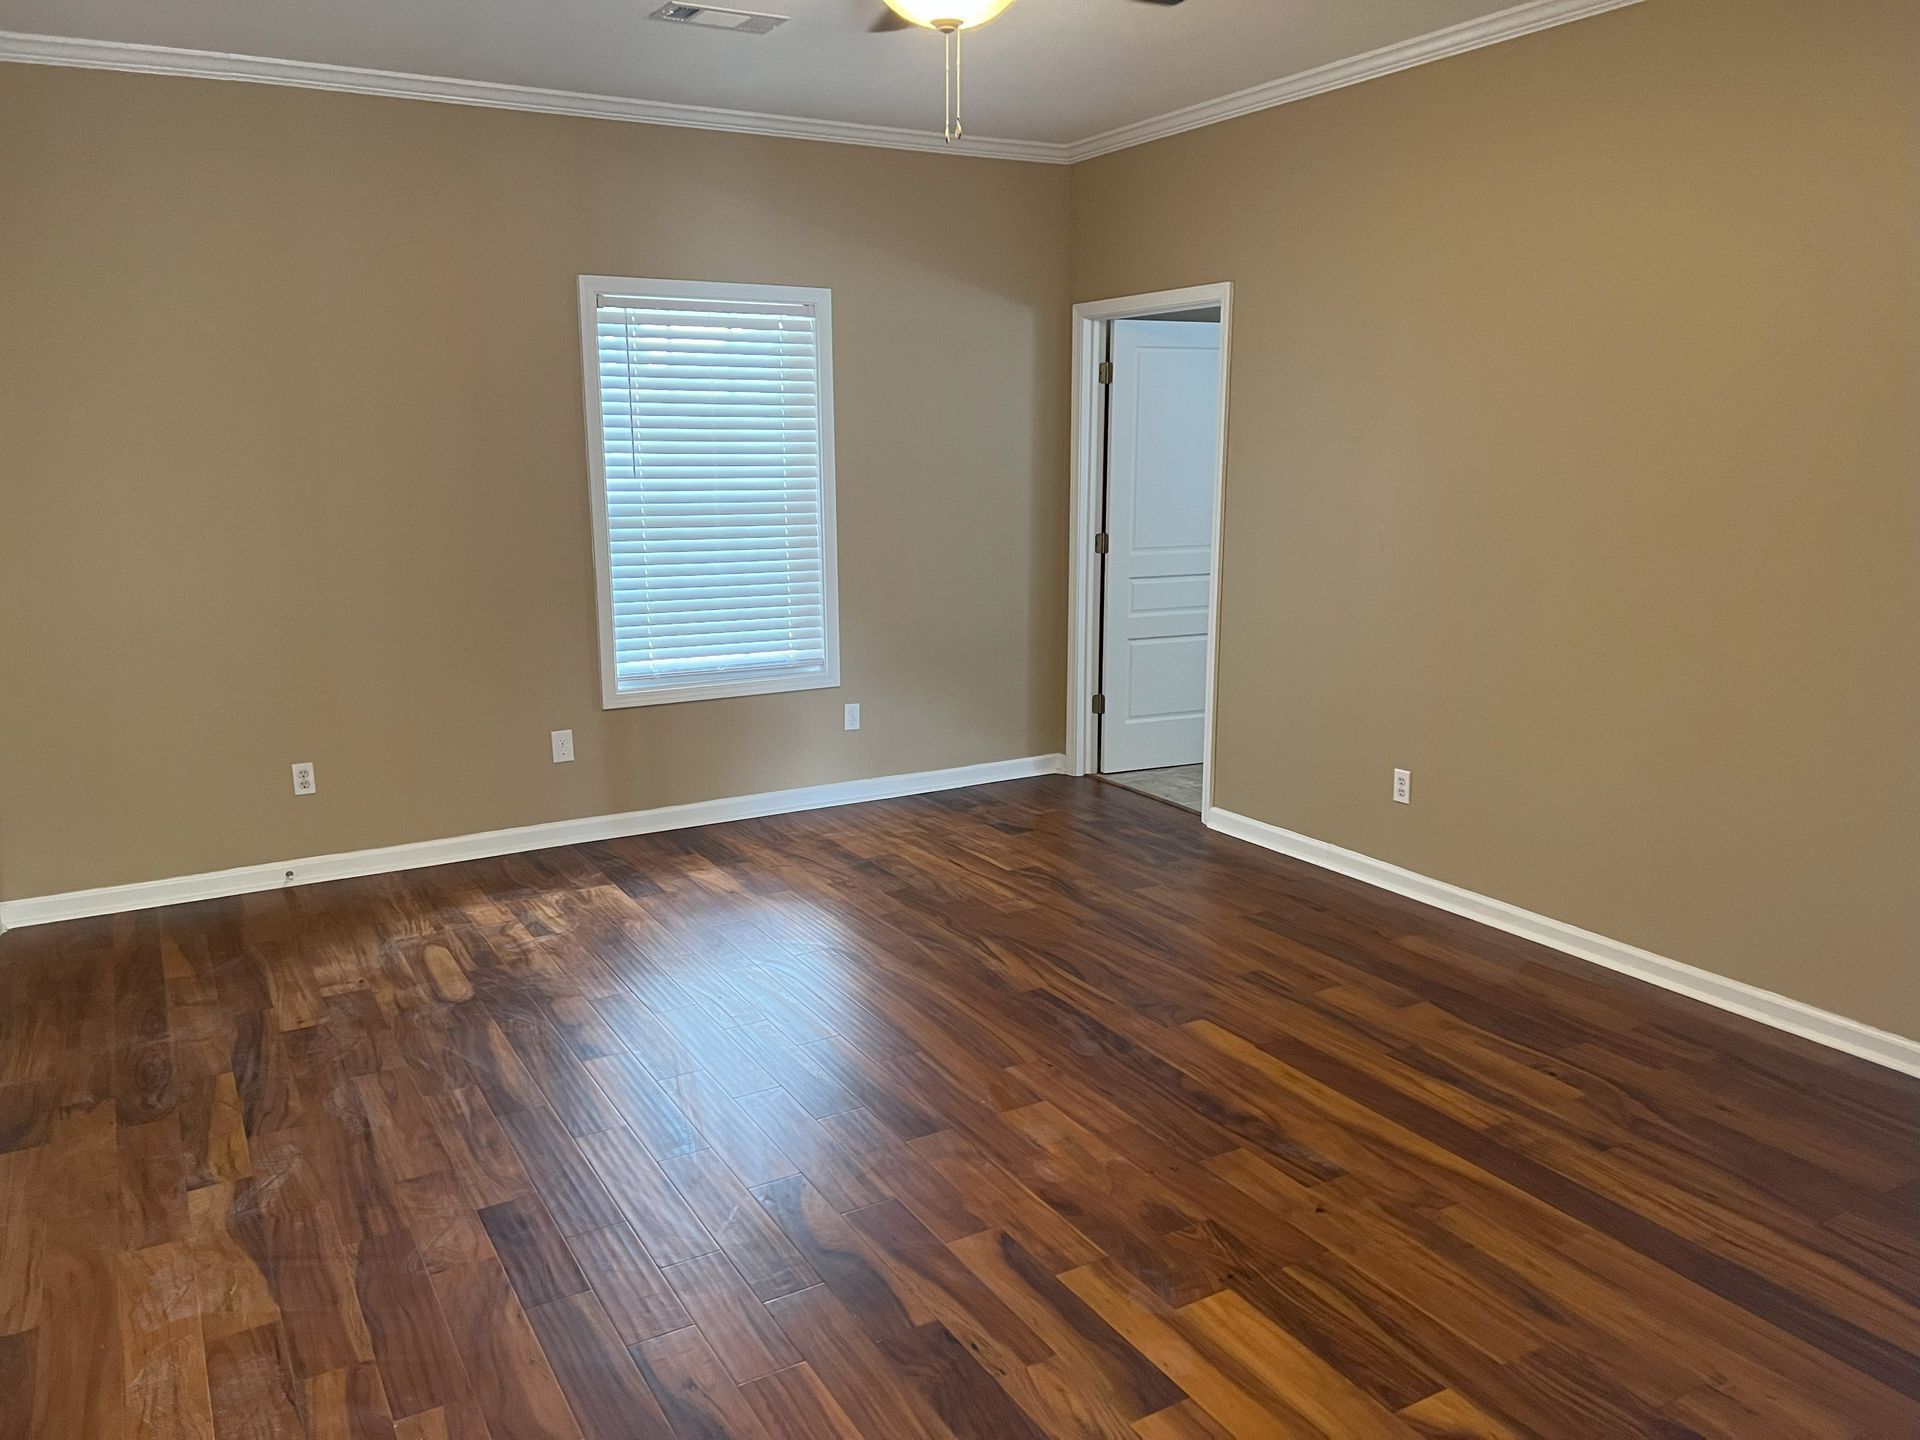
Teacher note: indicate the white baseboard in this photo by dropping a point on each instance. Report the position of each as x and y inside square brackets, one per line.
[113, 899]
[1880, 1046]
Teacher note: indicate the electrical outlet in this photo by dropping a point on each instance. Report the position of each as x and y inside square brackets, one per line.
[303, 782]
[562, 746]
[853, 717]
[1403, 786]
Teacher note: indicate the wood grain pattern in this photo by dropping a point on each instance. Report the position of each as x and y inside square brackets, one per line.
[740, 1225]
[636, 1295]
[348, 1405]
[658, 1214]
[733, 1319]
[651, 1113]
[1030, 1111]
[609, 1399]
[744, 1146]
[251, 1389]
[19, 1382]
[163, 1349]
[793, 1405]
[559, 1172]
[511, 1375]
[699, 1397]
[533, 1251]
[411, 1338]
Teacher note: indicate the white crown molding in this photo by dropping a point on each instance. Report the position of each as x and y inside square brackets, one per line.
[1882, 1047]
[394, 84]
[114, 899]
[1520, 20]
[1402, 55]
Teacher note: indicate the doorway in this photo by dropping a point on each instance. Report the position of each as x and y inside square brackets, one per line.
[1149, 426]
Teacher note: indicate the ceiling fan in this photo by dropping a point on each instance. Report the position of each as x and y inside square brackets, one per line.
[950, 17]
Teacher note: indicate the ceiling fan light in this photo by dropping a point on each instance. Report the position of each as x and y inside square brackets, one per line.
[944, 14]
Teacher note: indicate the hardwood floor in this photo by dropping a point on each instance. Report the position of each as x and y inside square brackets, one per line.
[1034, 1110]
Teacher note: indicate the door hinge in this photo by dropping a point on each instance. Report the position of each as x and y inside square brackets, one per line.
[1100, 543]
[1099, 704]
[1106, 372]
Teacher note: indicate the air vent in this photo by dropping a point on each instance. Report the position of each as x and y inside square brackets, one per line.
[711, 17]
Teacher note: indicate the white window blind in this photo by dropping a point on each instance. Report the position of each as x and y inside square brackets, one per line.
[713, 455]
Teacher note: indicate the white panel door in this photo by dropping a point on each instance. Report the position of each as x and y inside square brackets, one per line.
[1163, 444]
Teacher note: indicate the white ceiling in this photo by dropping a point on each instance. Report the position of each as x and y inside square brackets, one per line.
[1055, 72]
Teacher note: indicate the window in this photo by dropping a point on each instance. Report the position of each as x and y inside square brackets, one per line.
[710, 427]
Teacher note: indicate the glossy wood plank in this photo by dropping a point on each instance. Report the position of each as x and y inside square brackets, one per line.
[511, 1376]
[579, 1103]
[647, 1199]
[764, 1257]
[722, 1058]
[796, 1070]
[637, 1297]
[733, 1319]
[533, 1251]
[1185, 1421]
[1000, 1199]
[79, 1371]
[411, 1333]
[295, 1244]
[559, 1172]
[944, 1287]
[1133, 1313]
[836, 1171]
[478, 1150]
[18, 1381]
[696, 1392]
[879, 1396]
[1089, 1350]
[232, 1293]
[792, 1404]
[610, 1401]
[445, 1227]
[163, 1350]
[894, 1167]
[251, 1388]
[749, 1152]
[639, 1100]
[213, 1135]
[1447, 1416]
[348, 1405]
[646, 1036]
[835, 1251]
[582, 1028]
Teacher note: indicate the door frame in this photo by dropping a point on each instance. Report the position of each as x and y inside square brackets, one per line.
[1088, 474]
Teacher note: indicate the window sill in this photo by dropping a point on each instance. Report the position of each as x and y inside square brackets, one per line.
[611, 699]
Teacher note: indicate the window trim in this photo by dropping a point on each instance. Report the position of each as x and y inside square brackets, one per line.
[592, 287]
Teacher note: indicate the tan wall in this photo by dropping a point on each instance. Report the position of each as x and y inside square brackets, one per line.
[292, 465]
[1573, 465]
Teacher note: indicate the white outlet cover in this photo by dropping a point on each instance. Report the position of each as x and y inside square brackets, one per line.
[853, 717]
[562, 746]
[303, 779]
[1403, 786]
